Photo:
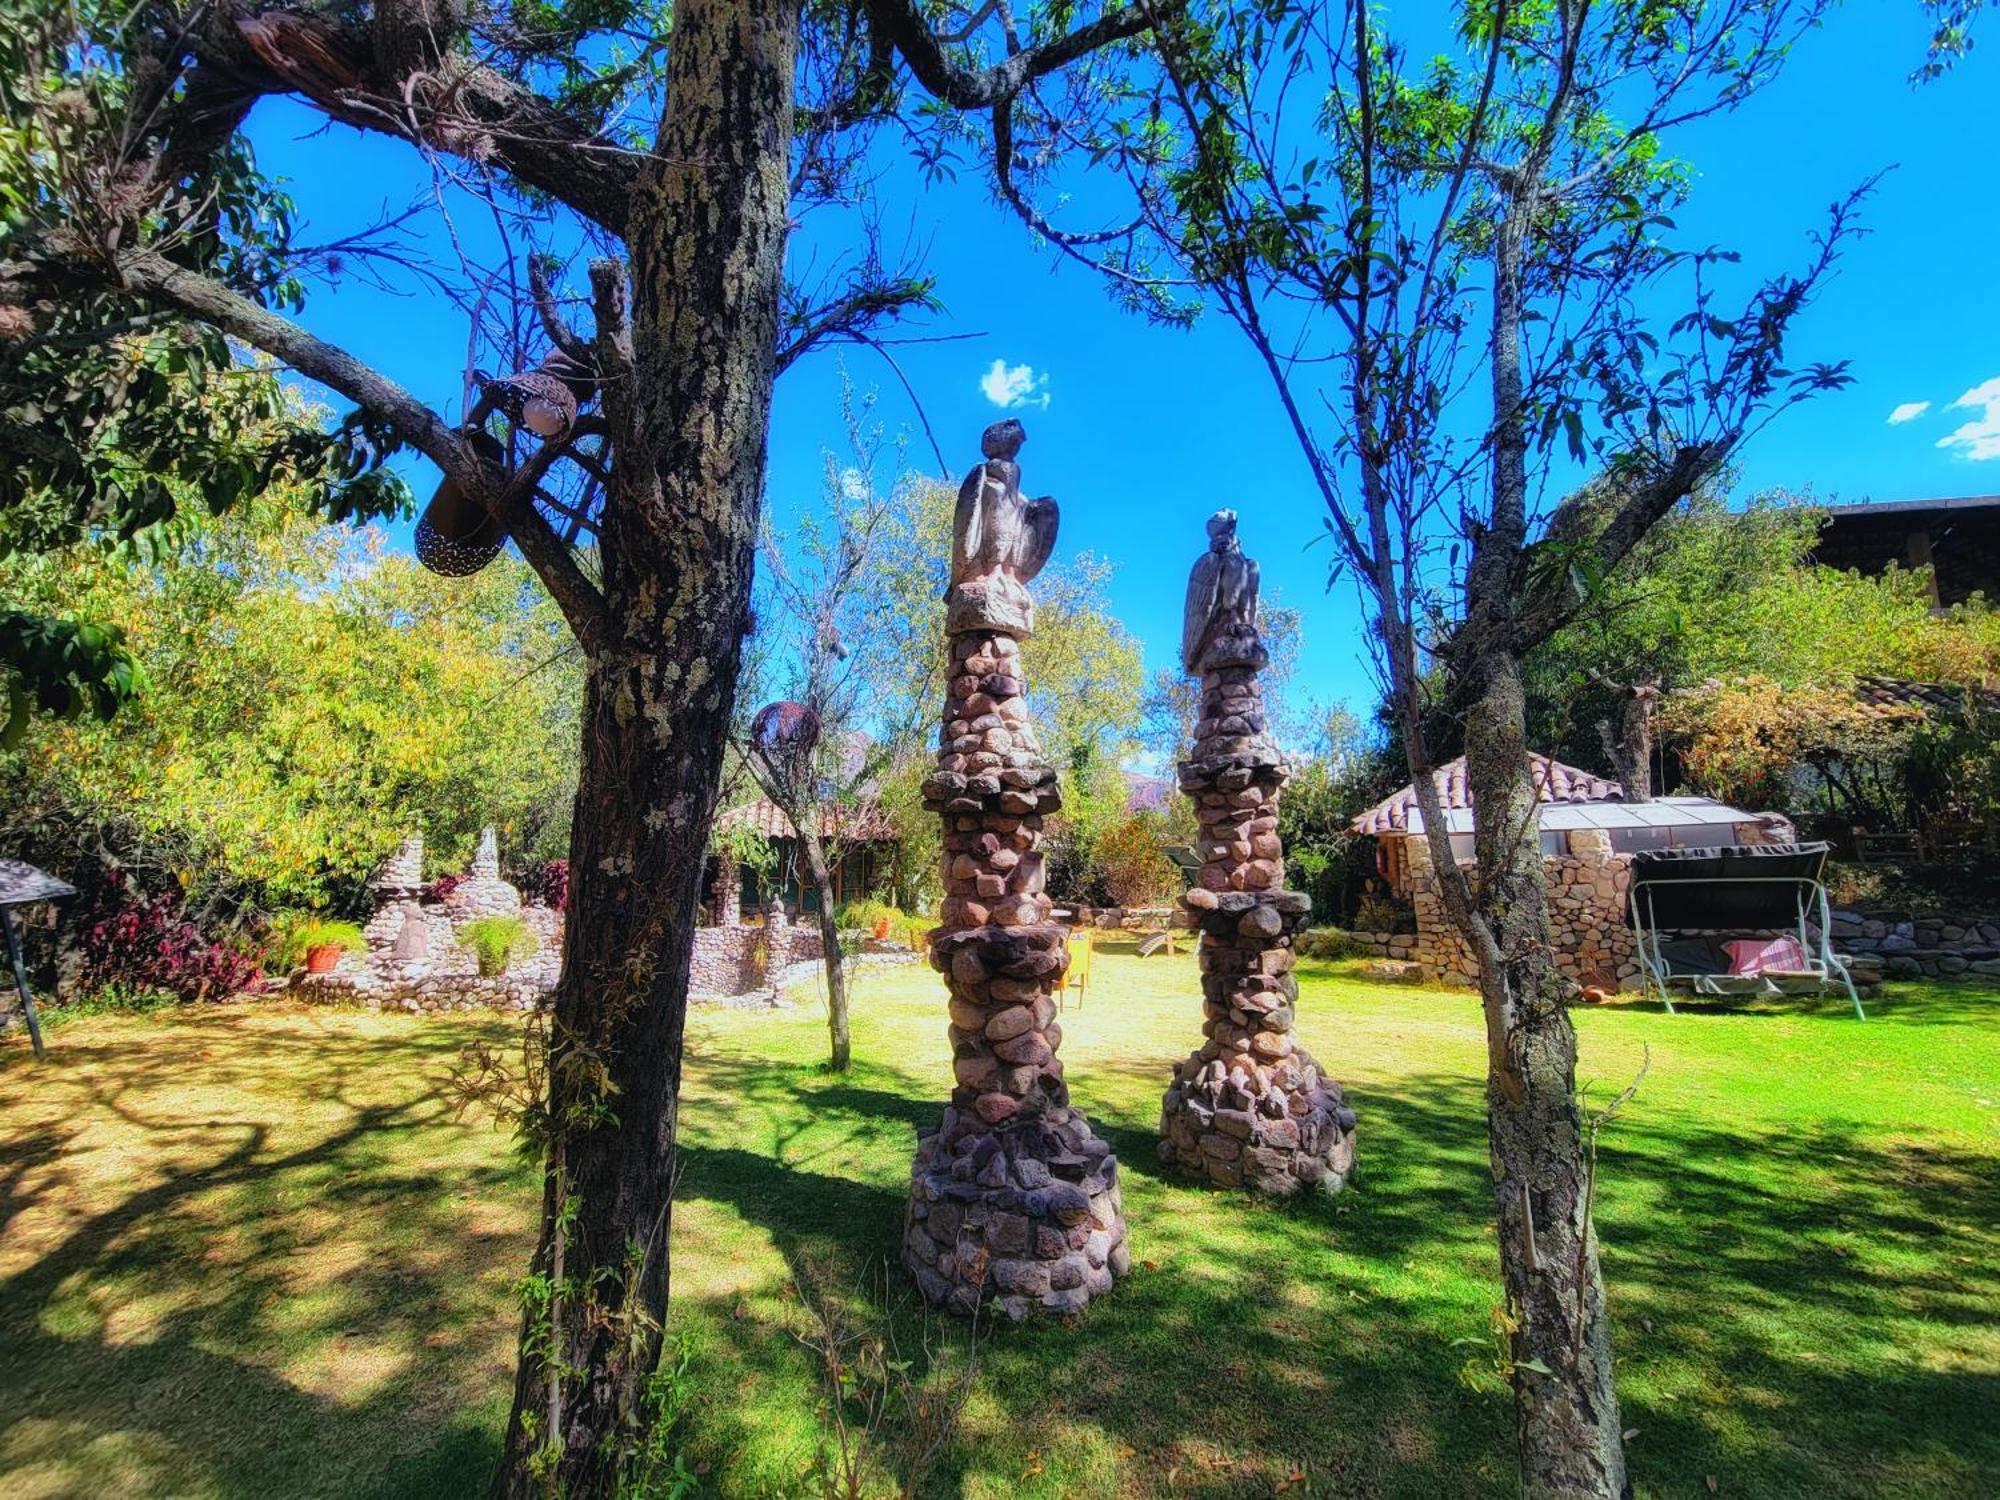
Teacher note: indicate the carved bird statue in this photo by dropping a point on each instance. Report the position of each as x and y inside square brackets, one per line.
[1221, 593]
[994, 530]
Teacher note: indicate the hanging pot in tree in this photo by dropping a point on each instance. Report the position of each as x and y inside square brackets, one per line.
[456, 535]
[538, 401]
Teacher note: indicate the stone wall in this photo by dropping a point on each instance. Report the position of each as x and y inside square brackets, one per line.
[1595, 946]
[414, 959]
[732, 962]
[430, 970]
[1587, 911]
[1903, 946]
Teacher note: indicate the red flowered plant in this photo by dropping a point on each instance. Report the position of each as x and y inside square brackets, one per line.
[547, 884]
[146, 942]
[443, 886]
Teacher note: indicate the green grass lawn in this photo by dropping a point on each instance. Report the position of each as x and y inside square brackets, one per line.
[254, 1252]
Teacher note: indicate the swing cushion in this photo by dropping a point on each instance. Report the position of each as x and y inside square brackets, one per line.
[1693, 955]
[1761, 955]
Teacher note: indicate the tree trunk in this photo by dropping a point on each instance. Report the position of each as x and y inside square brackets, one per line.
[1566, 1411]
[1565, 1407]
[1629, 743]
[706, 246]
[841, 1047]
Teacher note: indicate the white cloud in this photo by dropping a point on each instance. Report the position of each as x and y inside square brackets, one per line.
[1009, 386]
[1979, 438]
[1909, 411]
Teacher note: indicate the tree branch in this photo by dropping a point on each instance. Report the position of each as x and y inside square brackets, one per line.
[564, 337]
[902, 22]
[1644, 500]
[154, 276]
[456, 105]
[853, 315]
[615, 370]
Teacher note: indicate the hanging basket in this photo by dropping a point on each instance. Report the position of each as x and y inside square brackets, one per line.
[456, 535]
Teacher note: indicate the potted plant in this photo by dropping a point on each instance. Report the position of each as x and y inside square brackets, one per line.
[875, 918]
[317, 942]
[496, 942]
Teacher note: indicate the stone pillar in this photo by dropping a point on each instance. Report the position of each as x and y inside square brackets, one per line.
[1250, 1107]
[483, 893]
[486, 858]
[1013, 1196]
[728, 891]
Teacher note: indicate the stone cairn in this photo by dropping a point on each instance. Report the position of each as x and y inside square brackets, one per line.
[398, 922]
[1249, 1108]
[1013, 1196]
[483, 893]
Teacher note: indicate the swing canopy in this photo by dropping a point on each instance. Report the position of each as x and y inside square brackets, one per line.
[1698, 915]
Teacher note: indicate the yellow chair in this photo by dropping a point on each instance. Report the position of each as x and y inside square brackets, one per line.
[1077, 977]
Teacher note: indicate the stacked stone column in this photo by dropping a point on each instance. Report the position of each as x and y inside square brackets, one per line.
[1013, 1196]
[1250, 1107]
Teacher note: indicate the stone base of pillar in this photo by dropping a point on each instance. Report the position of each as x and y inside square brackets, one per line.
[1278, 1127]
[1026, 1213]
[1251, 1108]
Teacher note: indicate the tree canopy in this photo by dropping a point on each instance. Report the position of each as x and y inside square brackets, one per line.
[313, 696]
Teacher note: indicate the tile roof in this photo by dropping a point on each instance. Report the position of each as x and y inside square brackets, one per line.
[1554, 782]
[1895, 695]
[864, 825]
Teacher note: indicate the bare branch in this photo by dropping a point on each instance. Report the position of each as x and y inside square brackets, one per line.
[902, 22]
[560, 333]
[459, 106]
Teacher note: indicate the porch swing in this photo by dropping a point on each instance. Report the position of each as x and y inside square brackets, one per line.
[1752, 919]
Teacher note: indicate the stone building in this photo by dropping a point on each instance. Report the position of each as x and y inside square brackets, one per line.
[859, 843]
[1588, 832]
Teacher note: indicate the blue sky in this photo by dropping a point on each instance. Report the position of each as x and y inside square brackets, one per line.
[1142, 431]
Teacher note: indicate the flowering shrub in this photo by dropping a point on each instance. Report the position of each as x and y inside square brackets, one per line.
[547, 884]
[136, 942]
[443, 886]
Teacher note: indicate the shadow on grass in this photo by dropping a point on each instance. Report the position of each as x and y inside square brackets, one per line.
[213, 1329]
[1761, 1281]
[1805, 1311]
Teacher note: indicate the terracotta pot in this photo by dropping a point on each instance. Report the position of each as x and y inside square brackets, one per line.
[881, 929]
[322, 958]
